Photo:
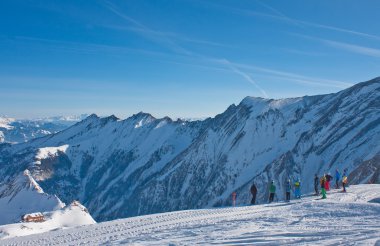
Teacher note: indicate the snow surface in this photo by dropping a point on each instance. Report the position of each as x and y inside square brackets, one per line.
[70, 216]
[5, 122]
[23, 196]
[343, 218]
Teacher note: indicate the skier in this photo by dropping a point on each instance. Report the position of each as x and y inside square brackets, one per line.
[253, 192]
[316, 183]
[297, 189]
[288, 188]
[345, 174]
[234, 198]
[337, 178]
[344, 183]
[272, 191]
[328, 179]
[323, 185]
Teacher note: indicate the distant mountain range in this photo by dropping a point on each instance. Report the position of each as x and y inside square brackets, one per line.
[22, 130]
[142, 165]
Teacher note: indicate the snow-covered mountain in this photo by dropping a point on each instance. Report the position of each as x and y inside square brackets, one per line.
[350, 218]
[142, 165]
[21, 130]
[22, 195]
[72, 215]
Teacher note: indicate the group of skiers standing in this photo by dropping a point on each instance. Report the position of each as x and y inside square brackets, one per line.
[323, 182]
[272, 190]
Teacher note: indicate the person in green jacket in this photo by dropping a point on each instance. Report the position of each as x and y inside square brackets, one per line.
[323, 187]
[272, 191]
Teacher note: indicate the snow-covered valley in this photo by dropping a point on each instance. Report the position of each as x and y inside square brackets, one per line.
[343, 218]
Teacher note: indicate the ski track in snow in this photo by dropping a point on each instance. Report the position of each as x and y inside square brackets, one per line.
[343, 218]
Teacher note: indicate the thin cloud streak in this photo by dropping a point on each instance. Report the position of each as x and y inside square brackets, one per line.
[309, 82]
[81, 47]
[326, 82]
[300, 23]
[353, 48]
[243, 74]
[362, 34]
[164, 39]
[280, 14]
[167, 40]
[167, 34]
[303, 52]
[153, 35]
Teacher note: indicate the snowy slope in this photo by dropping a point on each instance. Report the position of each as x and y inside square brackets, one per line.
[23, 195]
[142, 165]
[343, 218]
[70, 216]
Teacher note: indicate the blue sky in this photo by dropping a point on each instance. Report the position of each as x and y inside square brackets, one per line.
[181, 58]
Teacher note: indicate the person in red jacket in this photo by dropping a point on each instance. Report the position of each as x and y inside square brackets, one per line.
[328, 180]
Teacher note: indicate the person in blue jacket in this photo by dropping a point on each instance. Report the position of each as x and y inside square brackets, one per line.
[297, 189]
[337, 178]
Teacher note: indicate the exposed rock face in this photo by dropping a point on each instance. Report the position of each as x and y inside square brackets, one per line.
[141, 165]
[367, 172]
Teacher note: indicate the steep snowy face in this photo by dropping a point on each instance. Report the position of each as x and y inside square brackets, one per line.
[23, 195]
[101, 161]
[141, 165]
[262, 140]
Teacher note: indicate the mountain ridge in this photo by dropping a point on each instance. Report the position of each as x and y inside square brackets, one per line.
[141, 165]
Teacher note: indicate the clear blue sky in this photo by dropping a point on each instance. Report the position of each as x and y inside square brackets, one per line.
[181, 58]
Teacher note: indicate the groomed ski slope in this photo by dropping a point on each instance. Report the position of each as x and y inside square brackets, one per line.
[343, 218]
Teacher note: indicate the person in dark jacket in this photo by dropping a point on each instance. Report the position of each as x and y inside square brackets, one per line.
[288, 188]
[254, 193]
[272, 191]
[316, 184]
